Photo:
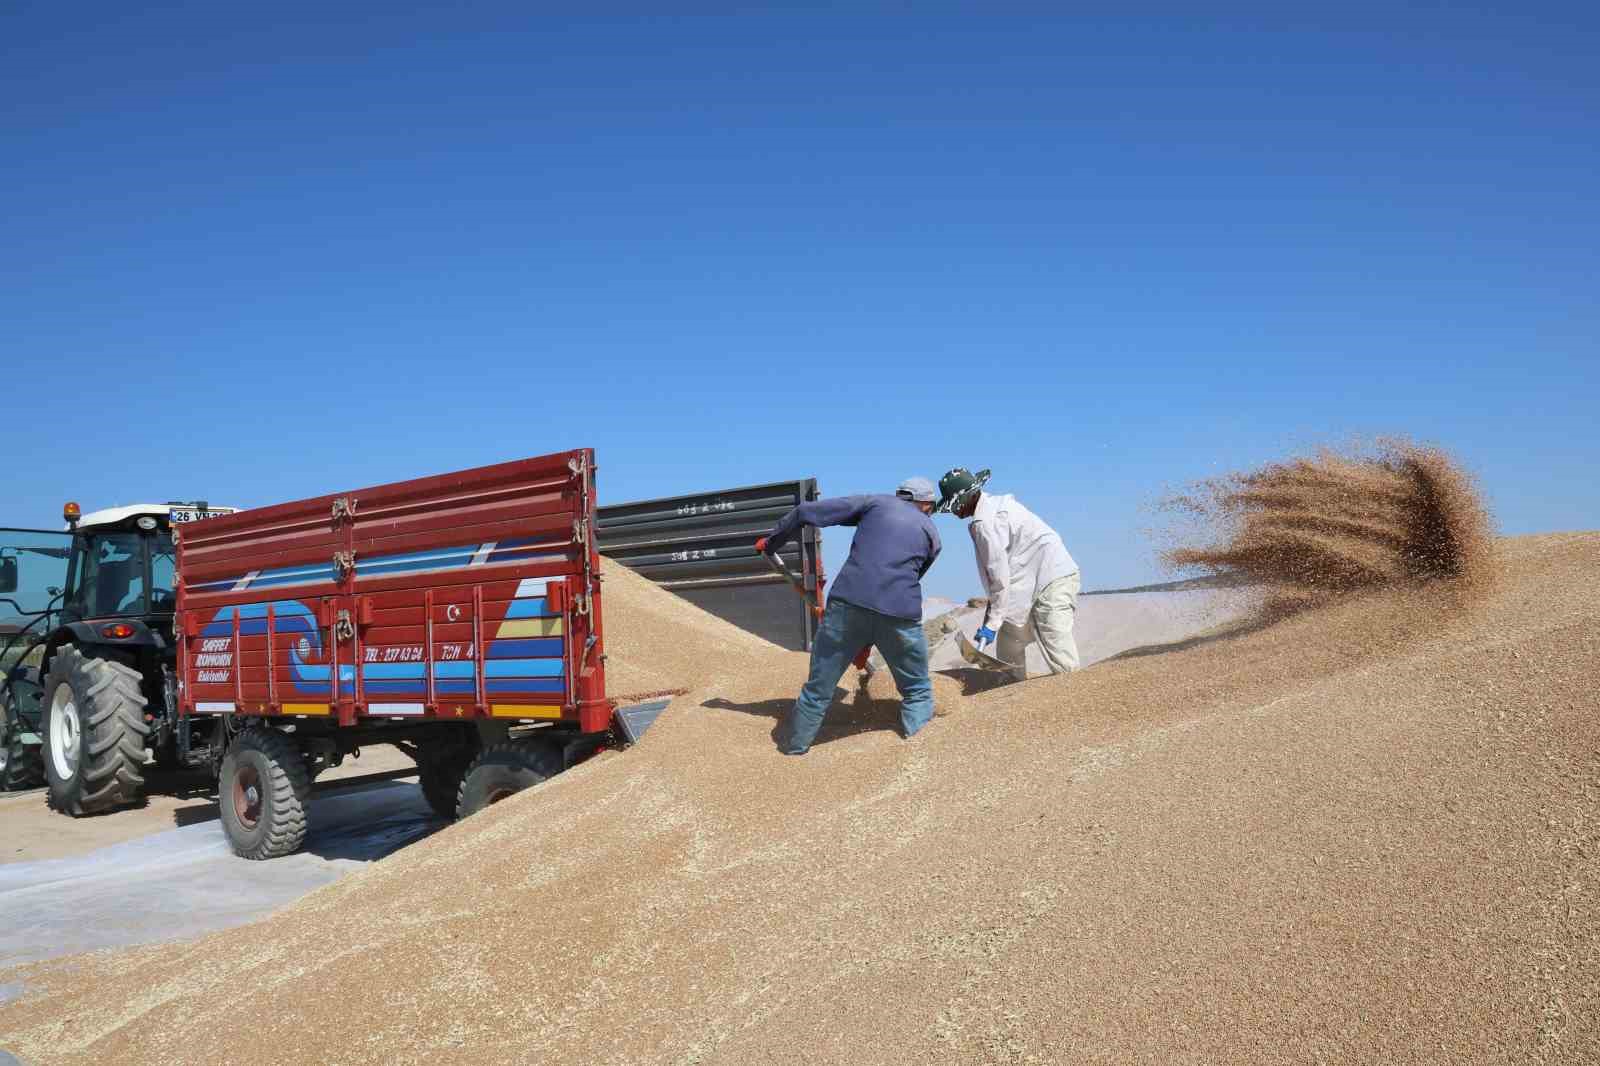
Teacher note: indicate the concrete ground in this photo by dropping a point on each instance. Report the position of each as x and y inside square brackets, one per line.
[165, 871]
[30, 831]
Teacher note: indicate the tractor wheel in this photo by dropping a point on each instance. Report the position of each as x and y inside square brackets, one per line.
[21, 765]
[440, 774]
[505, 770]
[94, 733]
[262, 794]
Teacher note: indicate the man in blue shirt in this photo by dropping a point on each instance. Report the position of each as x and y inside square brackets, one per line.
[876, 600]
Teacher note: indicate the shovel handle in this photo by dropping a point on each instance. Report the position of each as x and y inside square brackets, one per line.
[794, 582]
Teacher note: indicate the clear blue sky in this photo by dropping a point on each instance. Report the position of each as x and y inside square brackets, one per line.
[257, 253]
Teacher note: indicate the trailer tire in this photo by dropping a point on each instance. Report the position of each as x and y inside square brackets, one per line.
[262, 794]
[94, 733]
[504, 770]
[440, 774]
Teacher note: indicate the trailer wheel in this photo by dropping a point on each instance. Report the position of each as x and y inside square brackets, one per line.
[505, 770]
[94, 733]
[262, 794]
[440, 774]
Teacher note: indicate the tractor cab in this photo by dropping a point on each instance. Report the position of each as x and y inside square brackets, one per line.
[123, 564]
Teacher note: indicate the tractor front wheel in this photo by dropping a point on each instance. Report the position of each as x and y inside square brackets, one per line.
[94, 733]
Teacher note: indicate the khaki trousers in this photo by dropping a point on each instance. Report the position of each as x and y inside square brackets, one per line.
[1055, 608]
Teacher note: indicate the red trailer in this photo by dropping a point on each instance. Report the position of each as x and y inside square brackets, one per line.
[457, 617]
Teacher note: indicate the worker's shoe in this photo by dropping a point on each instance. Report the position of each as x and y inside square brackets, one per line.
[779, 740]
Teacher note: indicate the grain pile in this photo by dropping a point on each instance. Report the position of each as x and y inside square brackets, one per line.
[879, 688]
[659, 643]
[1367, 833]
[1334, 524]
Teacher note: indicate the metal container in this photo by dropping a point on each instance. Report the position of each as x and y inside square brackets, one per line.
[701, 546]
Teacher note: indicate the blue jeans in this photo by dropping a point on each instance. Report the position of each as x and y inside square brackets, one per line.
[845, 630]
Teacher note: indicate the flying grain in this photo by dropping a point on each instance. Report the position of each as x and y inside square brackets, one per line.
[1335, 524]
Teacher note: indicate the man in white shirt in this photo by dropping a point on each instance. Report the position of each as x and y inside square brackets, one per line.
[1032, 580]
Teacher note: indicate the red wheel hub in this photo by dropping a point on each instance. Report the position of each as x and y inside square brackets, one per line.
[247, 796]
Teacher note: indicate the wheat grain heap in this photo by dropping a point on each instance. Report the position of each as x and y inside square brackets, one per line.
[1367, 832]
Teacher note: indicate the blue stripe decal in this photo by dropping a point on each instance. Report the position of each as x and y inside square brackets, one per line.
[523, 551]
[437, 559]
[296, 576]
[491, 668]
[293, 617]
[283, 575]
[289, 616]
[257, 627]
[454, 557]
[381, 670]
[537, 607]
[503, 668]
[321, 688]
[321, 674]
[536, 648]
[417, 688]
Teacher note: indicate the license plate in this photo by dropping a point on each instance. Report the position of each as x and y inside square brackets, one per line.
[190, 514]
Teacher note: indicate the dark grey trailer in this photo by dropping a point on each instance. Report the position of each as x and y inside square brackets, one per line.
[702, 547]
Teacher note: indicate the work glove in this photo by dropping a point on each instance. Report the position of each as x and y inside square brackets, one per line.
[761, 545]
[983, 638]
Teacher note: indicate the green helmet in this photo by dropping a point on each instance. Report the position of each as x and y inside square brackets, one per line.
[959, 486]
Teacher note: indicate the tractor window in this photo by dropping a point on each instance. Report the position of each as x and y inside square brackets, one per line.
[38, 559]
[163, 574]
[111, 575]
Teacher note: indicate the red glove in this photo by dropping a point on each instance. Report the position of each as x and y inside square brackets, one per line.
[761, 545]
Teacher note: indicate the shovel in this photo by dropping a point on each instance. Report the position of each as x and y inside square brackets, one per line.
[777, 563]
[981, 659]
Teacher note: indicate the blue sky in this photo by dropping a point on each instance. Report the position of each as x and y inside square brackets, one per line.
[257, 254]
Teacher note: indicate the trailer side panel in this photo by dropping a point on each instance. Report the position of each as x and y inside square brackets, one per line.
[466, 595]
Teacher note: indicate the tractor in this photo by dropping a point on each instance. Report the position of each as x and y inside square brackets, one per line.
[88, 684]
